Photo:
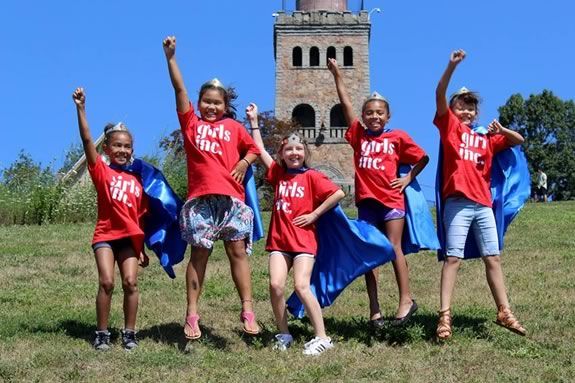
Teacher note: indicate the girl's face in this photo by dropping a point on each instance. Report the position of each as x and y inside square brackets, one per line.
[119, 148]
[293, 154]
[466, 113]
[212, 105]
[375, 115]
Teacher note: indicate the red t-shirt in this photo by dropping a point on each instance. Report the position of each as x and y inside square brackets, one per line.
[377, 159]
[295, 194]
[467, 158]
[212, 151]
[121, 204]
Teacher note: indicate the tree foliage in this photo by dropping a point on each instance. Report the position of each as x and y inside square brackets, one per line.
[548, 125]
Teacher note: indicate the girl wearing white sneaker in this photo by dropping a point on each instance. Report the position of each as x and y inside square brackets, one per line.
[301, 196]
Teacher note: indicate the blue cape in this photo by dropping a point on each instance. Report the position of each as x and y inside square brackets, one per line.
[350, 248]
[510, 188]
[161, 228]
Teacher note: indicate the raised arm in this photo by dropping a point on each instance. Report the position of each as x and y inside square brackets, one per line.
[252, 115]
[341, 91]
[182, 100]
[441, 90]
[79, 98]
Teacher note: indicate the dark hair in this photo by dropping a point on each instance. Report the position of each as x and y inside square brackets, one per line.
[229, 95]
[284, 141]
[467, 98]
[373, 100]
[112, 128]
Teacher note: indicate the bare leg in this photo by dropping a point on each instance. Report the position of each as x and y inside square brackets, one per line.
[302, 269]
[279, 267]
[105, 263]
[128, 264]
[495, 279]
[371, 281]
[241, 274]
[394, 232]
[448, 277]
[194, 281]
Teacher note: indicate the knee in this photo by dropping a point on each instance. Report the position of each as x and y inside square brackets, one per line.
[130, 284]
[107, 286]
[452, 261]
[492, 261]
[301, 288]
[277, 288]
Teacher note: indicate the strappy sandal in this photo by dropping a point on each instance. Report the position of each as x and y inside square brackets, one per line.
[192, 321]
[443, 331]
[505, 318]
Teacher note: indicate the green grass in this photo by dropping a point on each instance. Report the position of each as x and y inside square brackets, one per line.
[48, 283]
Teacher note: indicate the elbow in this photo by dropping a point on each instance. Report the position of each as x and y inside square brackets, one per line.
[340, 195]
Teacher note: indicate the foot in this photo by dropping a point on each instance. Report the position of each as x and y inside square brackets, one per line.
[401, 320]
[505, 318]
[192, 327]
[443, 331]
[283, 342]
[317, 345]
[102, 340]
[251, 327]
[129, 341]
[376, 321]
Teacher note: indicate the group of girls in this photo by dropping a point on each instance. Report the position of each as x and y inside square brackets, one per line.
[219, 152]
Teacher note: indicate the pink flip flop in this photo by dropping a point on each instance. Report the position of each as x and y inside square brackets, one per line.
[192, 321]
[250, 317]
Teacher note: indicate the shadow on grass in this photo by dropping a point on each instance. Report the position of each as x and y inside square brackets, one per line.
[173, 333]
[421, 327]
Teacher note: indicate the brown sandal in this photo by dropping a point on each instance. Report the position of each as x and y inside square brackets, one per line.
[505, 318]
[443, 331]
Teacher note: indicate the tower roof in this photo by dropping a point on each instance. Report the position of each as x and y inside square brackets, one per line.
[321, 5]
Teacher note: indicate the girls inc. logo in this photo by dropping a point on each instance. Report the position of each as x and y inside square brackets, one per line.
[206, 133]
[371, 151]
[290, 190]
[470, 143]
[120, 189]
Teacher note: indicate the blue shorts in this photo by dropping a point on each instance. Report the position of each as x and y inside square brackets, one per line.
[376, 213]
[459, 215]
[206, 219]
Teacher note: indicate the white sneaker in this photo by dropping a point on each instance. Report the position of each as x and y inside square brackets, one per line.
[317, 345]
[283, 342]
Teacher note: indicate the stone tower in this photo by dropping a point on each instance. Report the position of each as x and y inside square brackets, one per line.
[305, 90]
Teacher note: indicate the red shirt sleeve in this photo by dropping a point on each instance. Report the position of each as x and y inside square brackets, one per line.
[499, 142]
[187, 119]
[322, 187]
[410, 153]
[353, 133]
[273, 173]
[246, 144]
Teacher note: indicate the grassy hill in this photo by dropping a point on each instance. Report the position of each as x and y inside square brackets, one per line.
[48, 283]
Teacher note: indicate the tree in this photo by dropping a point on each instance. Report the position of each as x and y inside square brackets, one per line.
[24, 174]
[548, 125]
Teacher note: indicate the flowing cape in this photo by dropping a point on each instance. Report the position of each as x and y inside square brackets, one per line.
[349, 248]
[510, 188]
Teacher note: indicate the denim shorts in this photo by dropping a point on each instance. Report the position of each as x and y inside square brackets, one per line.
[206, 219]
[459, 215]
[376, 213]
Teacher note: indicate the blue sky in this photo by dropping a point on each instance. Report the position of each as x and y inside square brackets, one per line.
[113, 49]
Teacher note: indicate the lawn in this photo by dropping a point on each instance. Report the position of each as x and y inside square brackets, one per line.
[48, 283]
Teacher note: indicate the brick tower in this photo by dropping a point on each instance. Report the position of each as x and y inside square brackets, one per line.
[305, 90]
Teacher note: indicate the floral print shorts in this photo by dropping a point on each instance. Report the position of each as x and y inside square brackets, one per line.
[206, 219]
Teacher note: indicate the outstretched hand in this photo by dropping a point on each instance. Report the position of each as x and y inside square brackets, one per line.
[457, 56]
[79, 97]
[252, 111]
[169, 45]
[332, 66]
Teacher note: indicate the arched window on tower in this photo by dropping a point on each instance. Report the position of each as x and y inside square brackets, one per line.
[304, 115]
[348, 56]
[296, 56]
[336, 117]
[330, 53]
[314, 56]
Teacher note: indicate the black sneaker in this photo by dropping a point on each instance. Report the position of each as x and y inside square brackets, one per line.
[102, 341]
[129, 341]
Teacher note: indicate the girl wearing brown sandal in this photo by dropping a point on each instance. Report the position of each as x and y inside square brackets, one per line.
[467, 152]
